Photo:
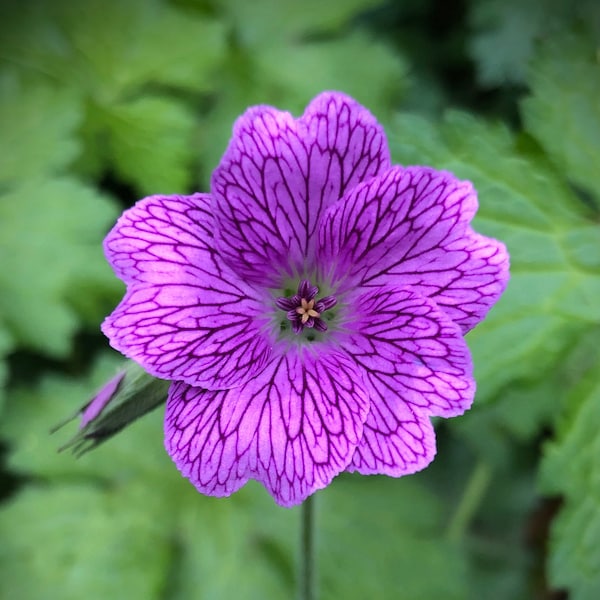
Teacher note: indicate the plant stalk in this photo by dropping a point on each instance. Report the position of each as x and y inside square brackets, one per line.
[307, 551]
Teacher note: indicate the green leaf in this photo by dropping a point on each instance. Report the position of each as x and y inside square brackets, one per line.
[264, 21]
[121, 60]
[345, 63]
[504, 38]
[37, 124]
[563, 112]
[571, 467]
[381, 538]
[53, 271]
[149, 515]
[91, 543]
[110, 49]
[552, 238]
[150, 144]
[505, 33]
[574, 561]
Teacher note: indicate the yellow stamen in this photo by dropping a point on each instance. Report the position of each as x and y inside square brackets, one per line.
[307, 310]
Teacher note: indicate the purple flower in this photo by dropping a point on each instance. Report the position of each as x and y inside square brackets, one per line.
[310, 310]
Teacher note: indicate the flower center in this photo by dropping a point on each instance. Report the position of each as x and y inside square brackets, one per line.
[303, 310]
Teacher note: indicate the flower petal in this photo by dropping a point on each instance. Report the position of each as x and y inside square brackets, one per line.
[410, 350]
[279, 174]
[161, 237]
[396, 441]
[293, 428]
[417, 365]
[185, 315]
[410, 227]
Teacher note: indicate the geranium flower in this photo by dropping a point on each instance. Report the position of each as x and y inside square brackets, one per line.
[310, 310]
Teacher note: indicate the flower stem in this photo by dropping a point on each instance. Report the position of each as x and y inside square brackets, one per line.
[476, 488]
[307, 551]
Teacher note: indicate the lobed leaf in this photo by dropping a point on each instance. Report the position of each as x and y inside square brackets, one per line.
[110, 49]
[570, 467]
[119, 60]
[506, 32]
[38, 129]
[264, 21]
[563, 112]
[53, 272]
[149, 141]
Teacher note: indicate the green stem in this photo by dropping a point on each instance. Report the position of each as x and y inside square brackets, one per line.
[469, 503]
[307, 551]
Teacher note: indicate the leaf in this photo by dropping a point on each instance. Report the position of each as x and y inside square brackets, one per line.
[38, 126]
[150, 144]
[504, 38]
[525, 410]
[505, 33]
[124, 508]
[110, 49]
[88, 540]
[381, 538]
[571, 467]
[346, 63]
[574, 559]
[552, 238]
[53, 271]
[264, 21]
[134, 67]
[563, 112]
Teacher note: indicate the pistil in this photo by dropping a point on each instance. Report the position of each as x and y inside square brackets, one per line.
[304, 310]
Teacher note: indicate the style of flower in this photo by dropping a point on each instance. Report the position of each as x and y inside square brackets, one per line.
[310, 310]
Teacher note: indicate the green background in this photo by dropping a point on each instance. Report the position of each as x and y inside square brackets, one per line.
[105, 101]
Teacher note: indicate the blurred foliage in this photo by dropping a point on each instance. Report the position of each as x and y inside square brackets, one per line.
[506, 33]
[102, 102]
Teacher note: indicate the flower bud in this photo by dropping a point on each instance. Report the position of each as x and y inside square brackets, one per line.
[130, 394]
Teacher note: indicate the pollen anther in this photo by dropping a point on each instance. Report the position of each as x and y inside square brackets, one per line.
[306, 310]
[303, 310]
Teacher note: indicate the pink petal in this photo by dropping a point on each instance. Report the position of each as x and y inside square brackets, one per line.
[279, 174]
[410, 227]
[396, 441]
[410, 350]
[185, 315]
[162, 238]
[293, 428]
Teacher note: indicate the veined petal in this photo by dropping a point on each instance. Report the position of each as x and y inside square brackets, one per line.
[397, 441]
[410, 227]
[417, 365]
[411, 351]
[279, 174]
[185, 315]
[294, 427]
[161, 239]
